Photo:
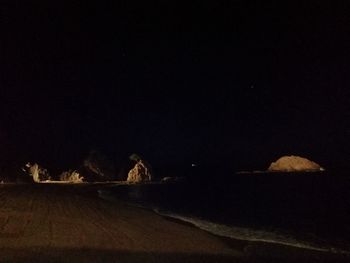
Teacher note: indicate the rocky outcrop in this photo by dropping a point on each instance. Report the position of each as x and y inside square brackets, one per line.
[140, 173]
[71, 176]
[38, 173]
[96, 167]
[294, 164]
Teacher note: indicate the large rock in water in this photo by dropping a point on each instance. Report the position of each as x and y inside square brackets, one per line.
[294, 164]
[140, 173]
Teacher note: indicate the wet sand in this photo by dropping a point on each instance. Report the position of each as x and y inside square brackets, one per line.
[69, 223]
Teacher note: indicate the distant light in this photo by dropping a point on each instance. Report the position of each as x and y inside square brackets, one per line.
[193, 165]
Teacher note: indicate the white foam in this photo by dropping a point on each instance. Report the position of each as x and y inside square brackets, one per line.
[239, 233]
[249, 234]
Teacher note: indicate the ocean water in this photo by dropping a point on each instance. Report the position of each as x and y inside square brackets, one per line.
[309, 211]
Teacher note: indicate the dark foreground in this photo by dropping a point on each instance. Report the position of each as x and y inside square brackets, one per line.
[69, 223]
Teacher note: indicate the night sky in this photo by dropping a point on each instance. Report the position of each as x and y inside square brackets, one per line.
[229, 83]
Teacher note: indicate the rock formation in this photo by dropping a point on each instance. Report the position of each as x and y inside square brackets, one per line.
[294, 164]
[71, 176]
[140, 173]
[96, 167]
[38, 173]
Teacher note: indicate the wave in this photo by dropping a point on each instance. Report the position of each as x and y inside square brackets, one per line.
[249, 234]
[238, 233]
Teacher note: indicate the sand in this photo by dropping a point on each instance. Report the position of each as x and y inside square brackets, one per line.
[69, 223]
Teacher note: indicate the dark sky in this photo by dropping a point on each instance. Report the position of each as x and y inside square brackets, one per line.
[215, 82]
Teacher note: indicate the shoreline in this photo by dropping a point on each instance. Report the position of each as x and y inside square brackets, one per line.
[70, 223]
[228, 232]
[236, 243]
[263, 249]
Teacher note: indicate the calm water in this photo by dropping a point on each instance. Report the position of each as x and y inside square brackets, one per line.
[302, 210]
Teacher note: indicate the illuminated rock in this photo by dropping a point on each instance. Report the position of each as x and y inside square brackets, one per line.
[140, 173]
[38, 173]
[294, 164]
[71, 176]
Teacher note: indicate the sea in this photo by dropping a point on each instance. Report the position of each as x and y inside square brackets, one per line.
[304, 210]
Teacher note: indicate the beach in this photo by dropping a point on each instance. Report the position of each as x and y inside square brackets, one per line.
[70, 223]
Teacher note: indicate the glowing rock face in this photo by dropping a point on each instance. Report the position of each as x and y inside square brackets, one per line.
[140, 173]
[34, 172]
[38, 173]
[294, 164]
[71, 176]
